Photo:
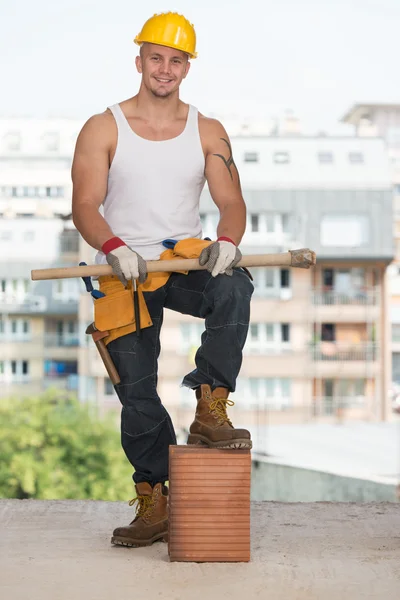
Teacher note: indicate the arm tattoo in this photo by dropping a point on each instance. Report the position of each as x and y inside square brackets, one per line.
[228, 163]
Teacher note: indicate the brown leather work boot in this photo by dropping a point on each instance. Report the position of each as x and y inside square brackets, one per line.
[211, 426]
[151, 521]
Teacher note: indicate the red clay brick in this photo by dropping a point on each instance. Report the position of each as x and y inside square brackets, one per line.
[209, 504]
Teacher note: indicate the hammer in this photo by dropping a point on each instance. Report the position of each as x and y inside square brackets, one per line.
[104, 353]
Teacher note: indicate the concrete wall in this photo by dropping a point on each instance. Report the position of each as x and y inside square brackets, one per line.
[284, 483]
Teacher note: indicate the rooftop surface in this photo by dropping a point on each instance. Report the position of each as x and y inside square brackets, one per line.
[60, 550]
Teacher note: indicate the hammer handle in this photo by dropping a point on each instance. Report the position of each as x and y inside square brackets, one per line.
[302, 258]
[108, 363]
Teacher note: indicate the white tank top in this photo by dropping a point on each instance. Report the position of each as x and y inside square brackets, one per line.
[154, 187]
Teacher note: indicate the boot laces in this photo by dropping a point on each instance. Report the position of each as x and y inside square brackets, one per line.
[144, 505]
[218, 408]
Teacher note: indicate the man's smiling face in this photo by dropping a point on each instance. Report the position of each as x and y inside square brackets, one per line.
[162, 68]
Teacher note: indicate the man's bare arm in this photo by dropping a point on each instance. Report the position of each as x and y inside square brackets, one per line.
[89, 177]
[224, 182]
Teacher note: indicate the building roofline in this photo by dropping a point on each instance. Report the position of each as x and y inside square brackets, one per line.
[350, 115]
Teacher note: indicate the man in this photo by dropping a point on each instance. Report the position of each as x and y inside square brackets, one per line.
[146, 160]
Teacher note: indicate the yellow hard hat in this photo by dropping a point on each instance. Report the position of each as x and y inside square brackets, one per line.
[169, 29]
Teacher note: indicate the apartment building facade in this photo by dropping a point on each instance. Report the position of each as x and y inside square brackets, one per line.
[384, 120]
[318, 345]
[39, 337]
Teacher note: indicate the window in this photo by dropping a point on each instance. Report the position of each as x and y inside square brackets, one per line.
[12, 141]
[325, 157]
[285, 278]
[285, 223]
[18, 191]
[345, 230]
[272, 282]
[269, 278]
[51, 141]
[108, 387]
[29, 236]
[328, 332]
[395, 332]
[273, 393]
[2, 367]
[30, 191]
[356, 158]
[5, 235]
[281, 158]
[327, 278]
[268, 337]
[251, 157]
[65, 290]
[254, 332]
[25, 367]
[254, 223]
[285, 332]
[269, 332]
[270, 223]
[52, 192]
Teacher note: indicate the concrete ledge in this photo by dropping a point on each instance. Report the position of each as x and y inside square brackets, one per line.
[60, 550]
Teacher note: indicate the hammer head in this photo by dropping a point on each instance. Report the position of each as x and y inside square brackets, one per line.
[95, 333]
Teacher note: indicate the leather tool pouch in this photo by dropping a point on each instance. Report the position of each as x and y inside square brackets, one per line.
[116, 311]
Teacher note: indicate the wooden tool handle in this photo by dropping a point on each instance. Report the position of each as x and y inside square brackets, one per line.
[108, 363]
[303, 258]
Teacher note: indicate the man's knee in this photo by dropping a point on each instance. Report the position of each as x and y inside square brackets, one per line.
[143, 417]
[238, 284]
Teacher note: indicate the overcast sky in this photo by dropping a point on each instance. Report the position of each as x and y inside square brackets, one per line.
[256, 57]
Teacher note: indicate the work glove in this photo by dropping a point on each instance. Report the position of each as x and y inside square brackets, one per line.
[220, 257]
[125, 262]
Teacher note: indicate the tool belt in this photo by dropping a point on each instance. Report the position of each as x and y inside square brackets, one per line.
[115, 311]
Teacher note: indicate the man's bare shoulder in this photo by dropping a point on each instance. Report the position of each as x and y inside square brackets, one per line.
[212, 134]
[100, 126]
[210, 126]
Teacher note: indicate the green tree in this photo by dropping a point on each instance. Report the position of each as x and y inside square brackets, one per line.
[52, 447]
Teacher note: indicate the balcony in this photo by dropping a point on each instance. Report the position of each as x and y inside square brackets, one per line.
[25, 385]
[343, 351]
[356, 298]
[28, 346]
[345, 358]
[56, 340]
[341, 407]
[356, 306]
[16, 304]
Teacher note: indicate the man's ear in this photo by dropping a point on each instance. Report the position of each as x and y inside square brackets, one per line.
[187, 69]
[138, 63]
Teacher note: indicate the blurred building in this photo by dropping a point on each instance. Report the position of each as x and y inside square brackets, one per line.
[318, 345]
[39, 336]
[384, 120]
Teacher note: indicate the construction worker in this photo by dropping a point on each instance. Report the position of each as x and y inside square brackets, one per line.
[146, 161]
